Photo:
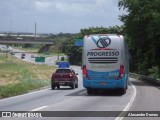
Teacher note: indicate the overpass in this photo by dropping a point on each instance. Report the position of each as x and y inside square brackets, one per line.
[46, 43]
[27, 41]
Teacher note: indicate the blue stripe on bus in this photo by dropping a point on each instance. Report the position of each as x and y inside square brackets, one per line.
[103, 75]
[94, 40]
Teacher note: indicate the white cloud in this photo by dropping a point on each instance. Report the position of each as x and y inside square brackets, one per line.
[74, 9]
[43, 5]
[62, 7]
[100, 2]
[53, 15]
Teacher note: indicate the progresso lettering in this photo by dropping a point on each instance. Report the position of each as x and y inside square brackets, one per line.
[108, 53]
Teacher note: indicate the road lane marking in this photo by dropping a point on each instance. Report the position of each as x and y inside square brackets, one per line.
[128, 106]
[132, 99]
[39, 108]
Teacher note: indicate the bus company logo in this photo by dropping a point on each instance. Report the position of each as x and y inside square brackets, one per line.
[103, 42]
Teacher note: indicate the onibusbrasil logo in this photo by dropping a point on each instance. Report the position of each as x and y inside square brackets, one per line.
[103, 42]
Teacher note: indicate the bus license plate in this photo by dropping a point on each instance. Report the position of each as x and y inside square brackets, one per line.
[103, 83]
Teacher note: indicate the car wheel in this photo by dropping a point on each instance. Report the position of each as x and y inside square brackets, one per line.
[58, 86]
[76, 86]
[53, 87]
[73, 86]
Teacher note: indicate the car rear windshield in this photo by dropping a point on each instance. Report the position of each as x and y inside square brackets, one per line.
[63, 71]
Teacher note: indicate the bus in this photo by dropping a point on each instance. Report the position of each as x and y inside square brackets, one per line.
[105, 62]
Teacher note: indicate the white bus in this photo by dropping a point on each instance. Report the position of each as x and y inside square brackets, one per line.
[105, 61]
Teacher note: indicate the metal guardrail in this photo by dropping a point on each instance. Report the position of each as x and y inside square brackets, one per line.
[145, 78]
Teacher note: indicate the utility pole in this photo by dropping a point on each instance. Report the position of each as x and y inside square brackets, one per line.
[11, 26]
[58, 54]
[35, 30]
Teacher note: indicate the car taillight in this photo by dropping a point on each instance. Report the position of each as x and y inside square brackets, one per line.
[53, 76]
[85, 74]
[70, 75]
[121, 73]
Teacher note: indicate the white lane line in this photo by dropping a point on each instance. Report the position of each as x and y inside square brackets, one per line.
[39, 108]
[128, 106]
[132, 99]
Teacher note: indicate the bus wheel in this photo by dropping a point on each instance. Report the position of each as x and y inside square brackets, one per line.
[123, 90]
[89, 91]
[126, 85]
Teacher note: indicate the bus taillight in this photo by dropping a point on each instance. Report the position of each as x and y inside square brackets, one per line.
[85, 74]
[121, 74]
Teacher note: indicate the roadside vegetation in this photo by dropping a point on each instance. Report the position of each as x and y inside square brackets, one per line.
[19, 77]
[53, 50]
[141, 30]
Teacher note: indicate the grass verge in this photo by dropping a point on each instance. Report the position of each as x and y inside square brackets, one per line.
[19, 77]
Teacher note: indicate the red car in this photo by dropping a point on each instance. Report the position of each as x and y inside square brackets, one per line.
[64, 77]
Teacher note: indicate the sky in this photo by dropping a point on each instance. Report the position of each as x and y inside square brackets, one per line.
[55, 16]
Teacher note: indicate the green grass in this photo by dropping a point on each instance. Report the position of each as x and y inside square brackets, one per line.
[20, 88]
[29, 49]
[19, 77]
[51, 52]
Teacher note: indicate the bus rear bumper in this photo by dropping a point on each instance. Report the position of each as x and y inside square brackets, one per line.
[101, 84]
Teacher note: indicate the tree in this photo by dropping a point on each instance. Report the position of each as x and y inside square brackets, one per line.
[75, 53]
[143, 31]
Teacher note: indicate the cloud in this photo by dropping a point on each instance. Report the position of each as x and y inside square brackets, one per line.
[68, 7]
[100, 2]
[53, 15]
[43, 5]
[74, 9]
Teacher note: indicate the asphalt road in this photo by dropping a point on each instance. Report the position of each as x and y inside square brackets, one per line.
[48, 60]
[140, 96]
[66, 99]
